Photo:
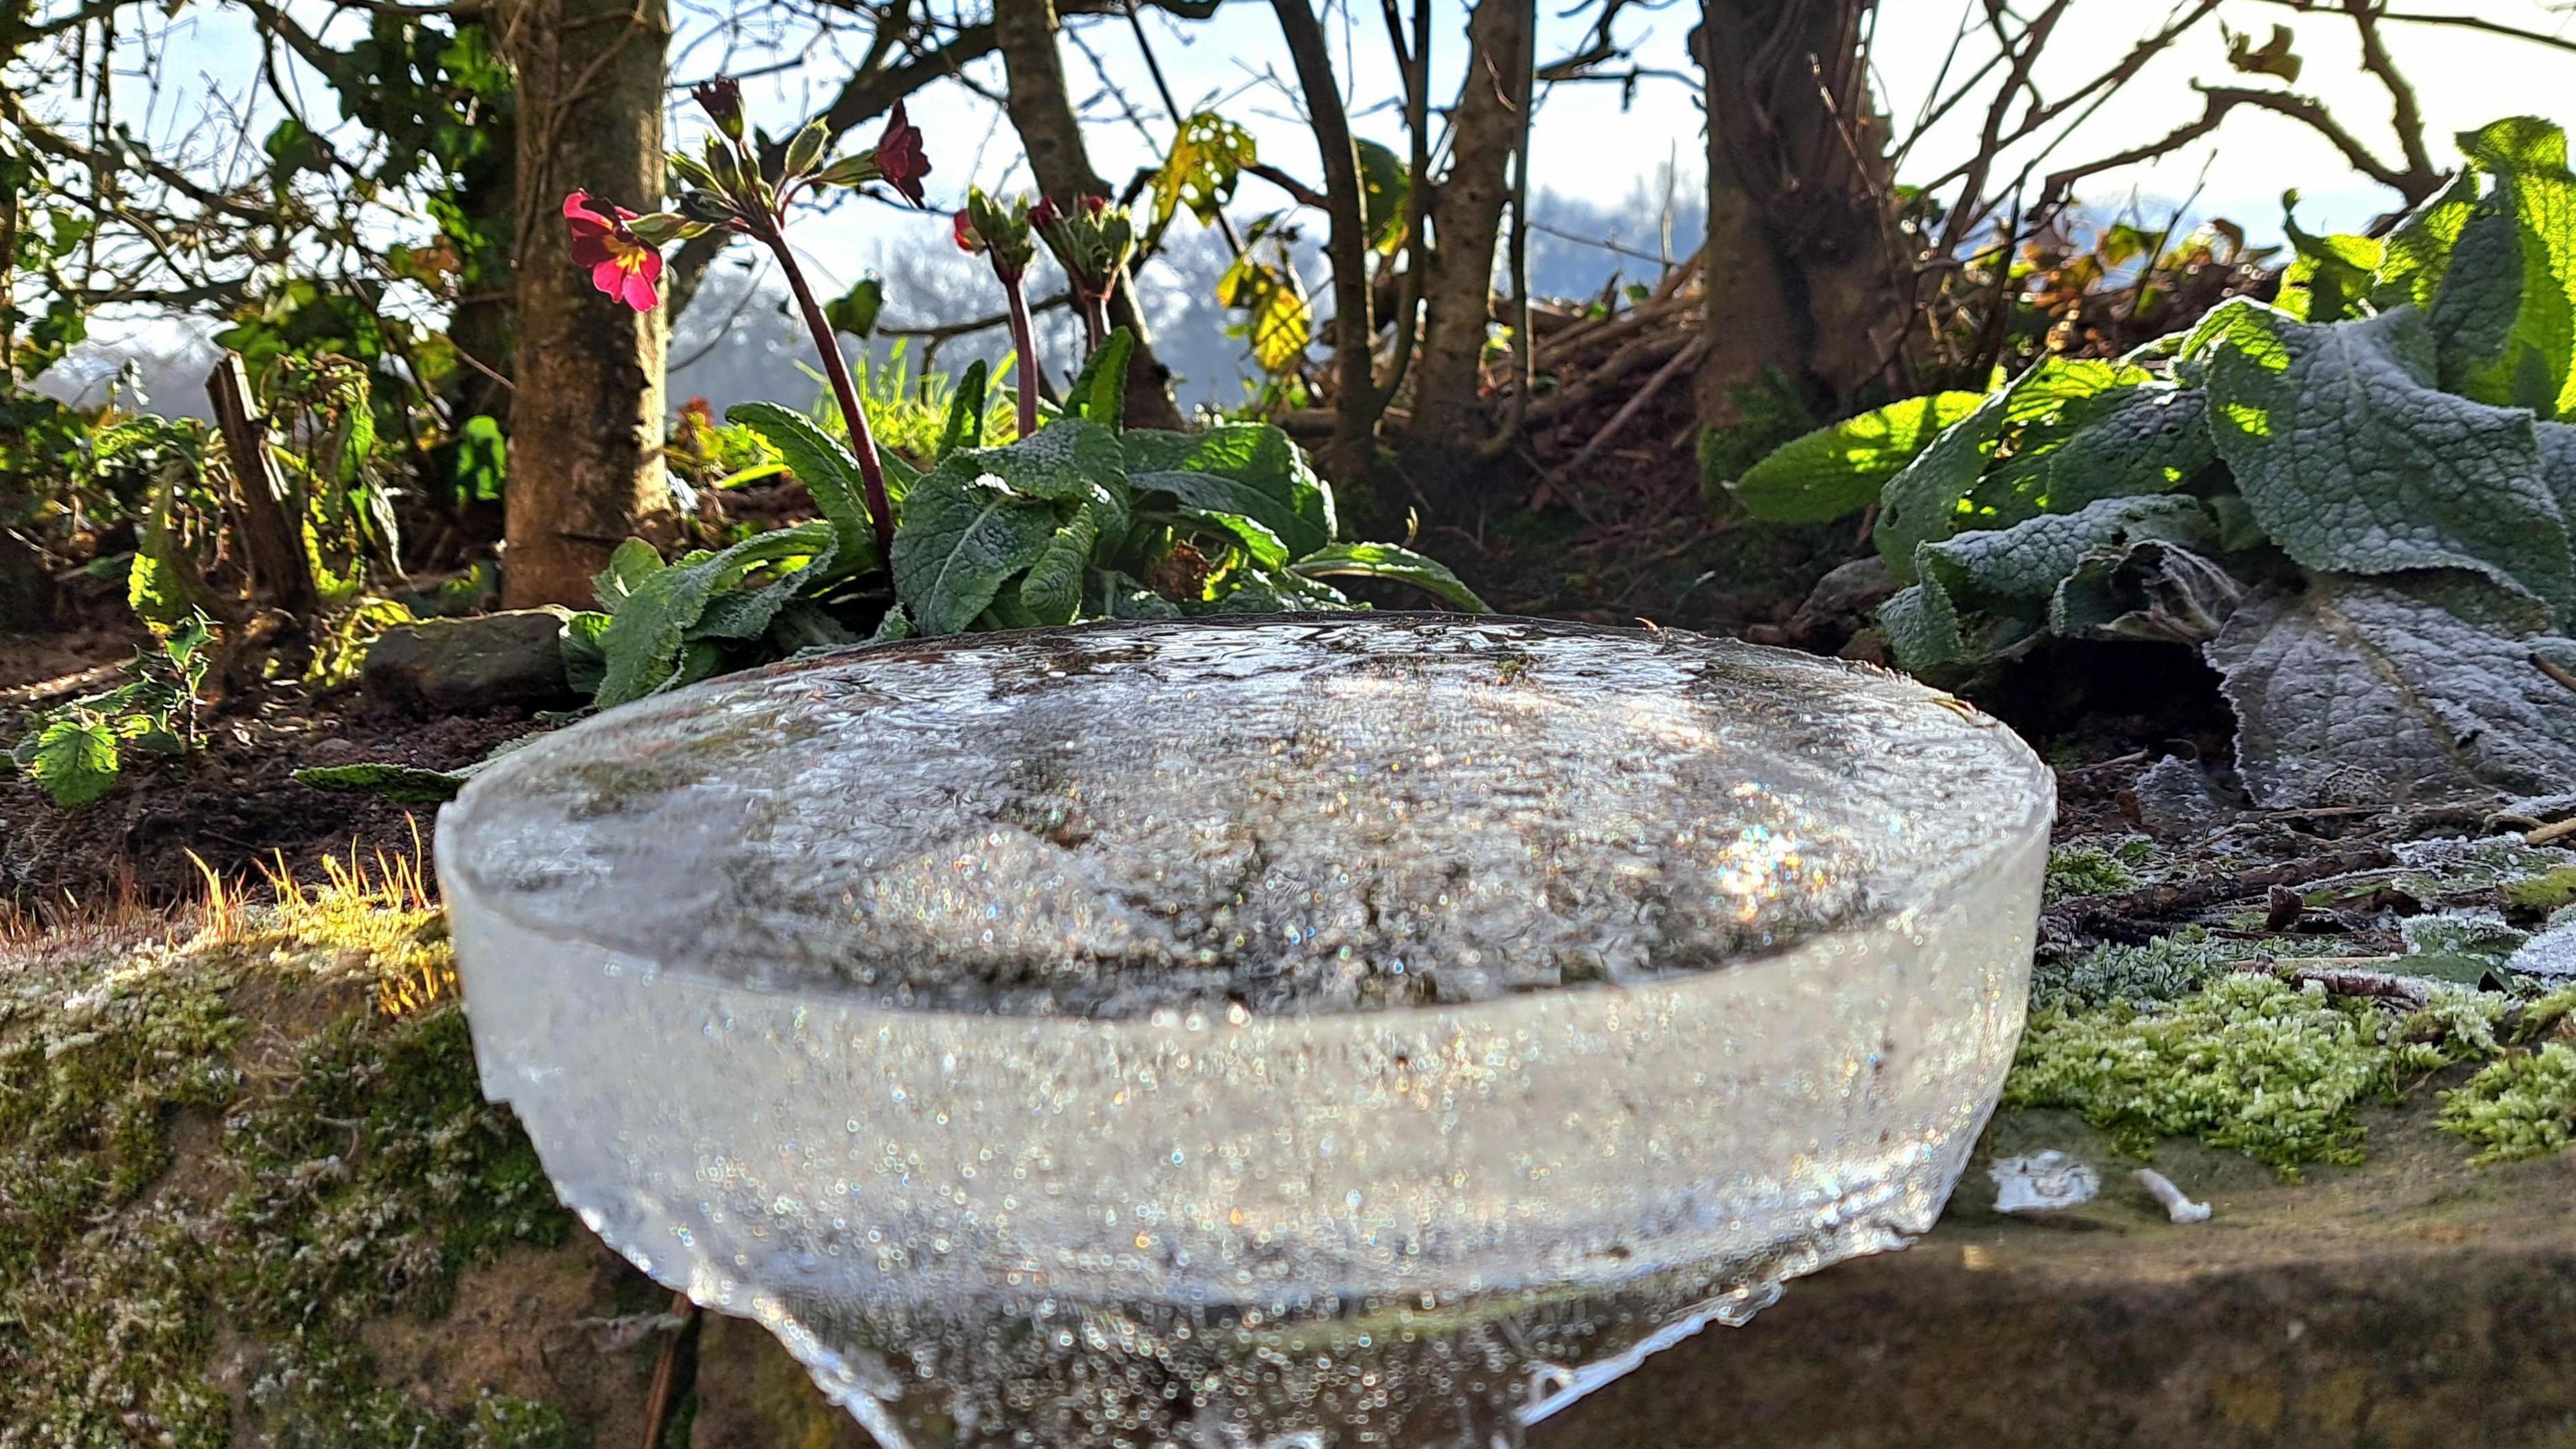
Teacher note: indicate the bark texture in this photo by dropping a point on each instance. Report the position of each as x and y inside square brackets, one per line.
[1354, 323]
[587, 414]
[1041, 110]
[1804, 268]
[1466, 224]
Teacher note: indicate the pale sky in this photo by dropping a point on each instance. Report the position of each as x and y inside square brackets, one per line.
[1592, 144]
[1589, 145]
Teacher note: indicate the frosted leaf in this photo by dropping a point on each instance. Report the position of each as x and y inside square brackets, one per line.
[2413, 688]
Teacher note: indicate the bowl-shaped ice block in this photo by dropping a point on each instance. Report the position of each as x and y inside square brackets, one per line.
[1288, 1030]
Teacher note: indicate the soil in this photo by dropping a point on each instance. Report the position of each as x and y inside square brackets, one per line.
[233, 803]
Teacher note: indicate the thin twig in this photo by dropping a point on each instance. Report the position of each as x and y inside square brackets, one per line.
[1673, 367]
[667, 1369]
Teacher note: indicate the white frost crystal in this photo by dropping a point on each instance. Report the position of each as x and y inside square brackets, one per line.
[1214, 1033]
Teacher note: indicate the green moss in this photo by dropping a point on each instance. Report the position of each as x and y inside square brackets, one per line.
[2521, 1105]
[502, 1422]
[2252, 1064]
[376, 1172]
[2165, 969]
[96, 1066]
[1769, 412]
[2545, 1014]
[234, 1146]
[2541, 894]
[2091, 869]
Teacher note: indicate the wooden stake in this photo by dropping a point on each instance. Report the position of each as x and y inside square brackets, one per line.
[273, 543]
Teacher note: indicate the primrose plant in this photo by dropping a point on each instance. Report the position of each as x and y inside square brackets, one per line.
[2357, 502]
[1077, 517]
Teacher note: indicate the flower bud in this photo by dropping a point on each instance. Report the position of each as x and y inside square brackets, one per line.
[724, 167]
[988, 226]
[655, 228]
[807, 148]
[706, 206]
[721, 99]
[855, 170]
[689, 169]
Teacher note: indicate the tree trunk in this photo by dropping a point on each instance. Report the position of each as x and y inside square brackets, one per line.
[1805, 270]
[1449, 414]
[1355, 396]
[586, 418]
[1041, 109]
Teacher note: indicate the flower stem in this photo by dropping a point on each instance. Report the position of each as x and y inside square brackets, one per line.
[1095, 318]
[837, 369]
[1027, 346]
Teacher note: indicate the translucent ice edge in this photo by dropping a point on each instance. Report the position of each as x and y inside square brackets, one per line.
[816, 1162]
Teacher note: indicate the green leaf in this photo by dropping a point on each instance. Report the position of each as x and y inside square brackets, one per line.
[965, 426]
[1929, 499]
[1069, 459]
[1839, 470]
[854, 311]
[2331, 277]
[153, 589]
[2523, 241]
[1280, 324]
[634, 562]
[2419, 251]
[651, 641]
[1925, 634]
[2558, 463]
[1051, 592]
[1207, 158]
[1099, 392]
[1251, 469]
[585, 662]
[402, 784]
[1982, 592]
[2416, 687]
[74, 760]
[2354, 463]
[2015, 570]
[2473, 310]
[827, 470]
[964, 535]
[1390, 561]
[2217, 327]
[1116, 596]
[1259, 542]
[1385, 183]
[2151, 438]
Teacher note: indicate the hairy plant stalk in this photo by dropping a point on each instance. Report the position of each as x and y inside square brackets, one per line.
[837, 368]
[1025, 344]
[1095, 319]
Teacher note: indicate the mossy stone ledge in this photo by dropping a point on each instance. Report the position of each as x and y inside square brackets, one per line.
[250, 1195]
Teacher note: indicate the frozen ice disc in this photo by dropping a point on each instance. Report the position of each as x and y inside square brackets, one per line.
[1075, 1013]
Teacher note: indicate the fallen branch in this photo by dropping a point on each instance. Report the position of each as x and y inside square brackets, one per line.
[2108, 915]
[1680, 362]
